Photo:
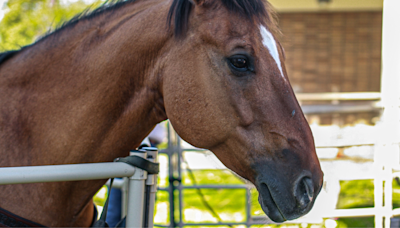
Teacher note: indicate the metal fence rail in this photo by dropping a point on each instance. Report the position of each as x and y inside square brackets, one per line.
[137, 179]
[74, 172]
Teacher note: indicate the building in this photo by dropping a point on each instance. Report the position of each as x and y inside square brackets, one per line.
[333, 46]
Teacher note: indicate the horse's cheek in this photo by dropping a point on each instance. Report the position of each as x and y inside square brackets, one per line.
[194, 122]
[194, 115]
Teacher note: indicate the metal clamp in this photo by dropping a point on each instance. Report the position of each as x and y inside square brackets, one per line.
[142, 163]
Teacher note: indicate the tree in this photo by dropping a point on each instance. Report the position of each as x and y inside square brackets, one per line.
[26, 21]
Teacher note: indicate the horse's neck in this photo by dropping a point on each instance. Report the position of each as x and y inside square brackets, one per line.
[75, 93]
[88, 97]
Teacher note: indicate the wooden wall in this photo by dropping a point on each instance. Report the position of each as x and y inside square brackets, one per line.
[333, 52]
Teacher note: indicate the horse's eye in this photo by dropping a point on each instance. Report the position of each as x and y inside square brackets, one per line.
[240, 63]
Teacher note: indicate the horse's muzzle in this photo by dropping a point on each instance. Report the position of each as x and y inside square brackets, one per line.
[269, 205]
[285, 200]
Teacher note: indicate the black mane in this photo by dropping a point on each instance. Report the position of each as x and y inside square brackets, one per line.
[6, 55]
[180, 11]
[108, 5]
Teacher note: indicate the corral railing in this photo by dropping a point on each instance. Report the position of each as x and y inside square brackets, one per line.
[136, 180]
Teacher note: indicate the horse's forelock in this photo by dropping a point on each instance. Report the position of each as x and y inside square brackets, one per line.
[180, 11]
[248, 8]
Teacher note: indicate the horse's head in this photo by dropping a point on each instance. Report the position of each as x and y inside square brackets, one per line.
[226, 89]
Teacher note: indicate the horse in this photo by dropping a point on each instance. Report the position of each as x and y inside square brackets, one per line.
[95, 87]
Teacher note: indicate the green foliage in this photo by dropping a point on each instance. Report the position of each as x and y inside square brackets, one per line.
[26, 21]
[211, 177]
[360, 194]
[356, 222]
[162, 198]
[356, 194]
[101, 196]
[353, 194]
[396, 194]
[222, 201]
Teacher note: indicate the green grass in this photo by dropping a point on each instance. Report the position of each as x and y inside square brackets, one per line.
[229, 204]
[360, 194]
[356, 194]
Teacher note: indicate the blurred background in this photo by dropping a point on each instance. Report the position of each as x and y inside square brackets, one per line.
[334, 62]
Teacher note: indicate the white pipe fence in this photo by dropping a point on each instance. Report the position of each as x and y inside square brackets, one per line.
[74, 172]
[136, 180]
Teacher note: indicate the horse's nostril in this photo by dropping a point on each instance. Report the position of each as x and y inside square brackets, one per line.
[309, 187]
[304, 192]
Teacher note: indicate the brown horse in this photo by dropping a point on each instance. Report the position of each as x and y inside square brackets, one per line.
[93, 89]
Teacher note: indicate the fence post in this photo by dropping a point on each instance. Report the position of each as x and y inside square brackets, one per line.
[136, 195]
[390, 90]
[151, 188]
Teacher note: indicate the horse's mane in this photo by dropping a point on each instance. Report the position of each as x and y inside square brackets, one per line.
[180, 11]
[6, 55]
[108, 5]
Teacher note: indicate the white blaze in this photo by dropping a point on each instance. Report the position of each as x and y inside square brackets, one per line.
[270, 44]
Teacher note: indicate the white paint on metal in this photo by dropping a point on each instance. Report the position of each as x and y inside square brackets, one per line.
[388, 136]
[74, 172]
[136, 193]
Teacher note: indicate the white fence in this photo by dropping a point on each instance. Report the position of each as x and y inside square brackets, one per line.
[137, 179]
